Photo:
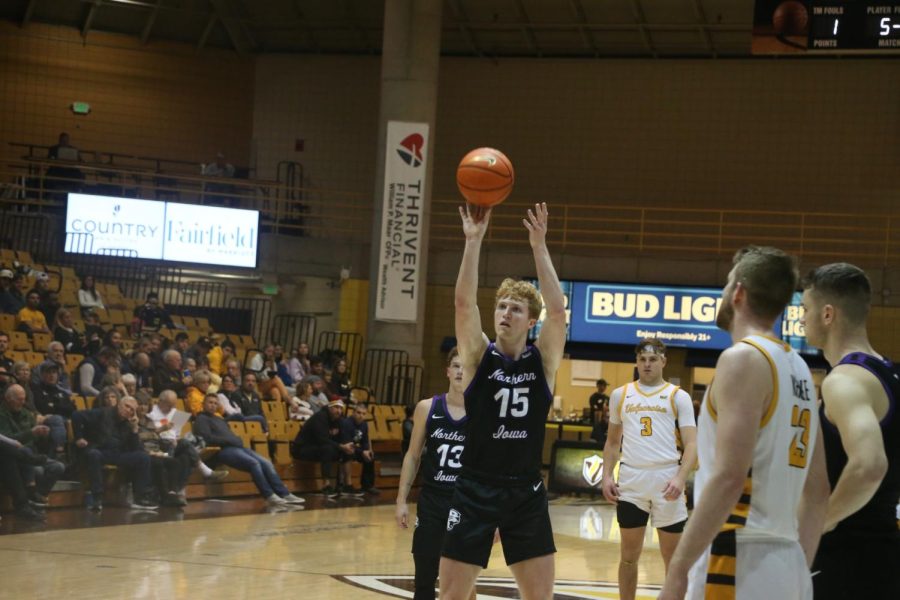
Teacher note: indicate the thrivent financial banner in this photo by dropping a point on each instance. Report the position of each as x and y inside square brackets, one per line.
[399, 259]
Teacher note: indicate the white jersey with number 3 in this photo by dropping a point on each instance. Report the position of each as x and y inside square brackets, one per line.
[785, 439]
[648, 416]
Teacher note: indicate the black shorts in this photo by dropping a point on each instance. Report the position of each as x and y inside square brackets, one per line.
[857, 565]
[431, 522]
[477, 509]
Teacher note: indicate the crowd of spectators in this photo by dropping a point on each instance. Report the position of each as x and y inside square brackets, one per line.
[132, 391]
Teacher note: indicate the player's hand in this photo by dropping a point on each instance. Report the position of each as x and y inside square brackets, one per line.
[610, 490]
[675, 586]
[402, 515]
[674, 489]
[475, 220]
[536, 223]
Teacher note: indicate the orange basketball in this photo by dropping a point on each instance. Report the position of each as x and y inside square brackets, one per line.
[485, 177]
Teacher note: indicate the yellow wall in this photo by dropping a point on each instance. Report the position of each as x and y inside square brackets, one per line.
[353, 313]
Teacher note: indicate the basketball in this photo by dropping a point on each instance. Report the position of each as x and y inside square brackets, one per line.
[485, 177]
[790, 18]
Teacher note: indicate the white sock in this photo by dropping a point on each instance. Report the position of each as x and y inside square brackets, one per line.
[205, 469]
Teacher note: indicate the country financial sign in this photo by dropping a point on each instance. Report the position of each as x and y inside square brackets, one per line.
[149, 229]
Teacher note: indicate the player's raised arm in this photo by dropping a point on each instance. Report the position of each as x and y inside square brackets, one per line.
[470, 338]
[552, 338]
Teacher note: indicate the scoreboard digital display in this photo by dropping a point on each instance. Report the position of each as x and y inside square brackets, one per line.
[817, 26]
[854, 25]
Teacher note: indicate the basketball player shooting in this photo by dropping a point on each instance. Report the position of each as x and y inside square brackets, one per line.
[508, 394]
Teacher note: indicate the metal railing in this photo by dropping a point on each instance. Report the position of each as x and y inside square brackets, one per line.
[592, 228]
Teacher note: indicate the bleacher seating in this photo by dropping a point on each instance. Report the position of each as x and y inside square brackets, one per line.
[302, 477]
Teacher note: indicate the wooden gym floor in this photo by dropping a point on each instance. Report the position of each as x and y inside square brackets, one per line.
[347, 548]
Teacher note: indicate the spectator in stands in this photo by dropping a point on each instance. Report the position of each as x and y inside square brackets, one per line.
[50, 305]
[5, 361]
[300, 408]
[9, 303]
[41, 284]
[113, 339]
[248, 398]
[93, 333]
[88, 297]
[56, 355]
[6, 378]
[230, 404]
[340, 381]
[318, 399]
[203, 365]
[233, 368]
[16, 461]
[108, 436]
[169, 472]
[316, 367]
[151, 315]
[108, 396]
[219, 356]
[190, 365]
[64, 332]
[200, 349]
[129, 381]
[28, 428]
[212, 428]
[218, 167]
[601, 427]
[407, 426]
[298, 366]
[49, 399]
[170, 376]
[163, 415]
[355, 430]
[193, 396]
[64, 177]
[182, 343]
[282, 363]
[22, 374]
[218, 193]
[138, 365]
[265, 367]
[319, 440]
[30, 319]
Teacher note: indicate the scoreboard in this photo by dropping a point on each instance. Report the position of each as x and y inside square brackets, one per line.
[872, 25]
[823, 26]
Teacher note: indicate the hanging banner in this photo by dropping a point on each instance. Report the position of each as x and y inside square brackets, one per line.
[399, 259]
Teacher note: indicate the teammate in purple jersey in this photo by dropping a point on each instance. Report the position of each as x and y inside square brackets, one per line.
[437, 441]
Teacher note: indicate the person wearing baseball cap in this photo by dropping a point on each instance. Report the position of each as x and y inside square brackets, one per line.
[319, 440]
[10, 301]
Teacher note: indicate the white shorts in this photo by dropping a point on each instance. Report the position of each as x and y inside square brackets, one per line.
[644, 489]
[763, 570]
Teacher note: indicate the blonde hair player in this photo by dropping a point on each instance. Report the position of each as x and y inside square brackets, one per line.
[438, 438]
[508, 395]
[761, 488]
[646, 418]
[859, 554]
